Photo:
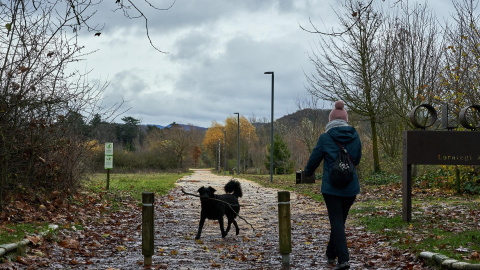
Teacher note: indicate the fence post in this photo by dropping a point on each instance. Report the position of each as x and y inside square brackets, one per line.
[147, 227]
[285, 226]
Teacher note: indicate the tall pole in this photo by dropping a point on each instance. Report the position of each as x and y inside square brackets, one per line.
[238, 142]
[219, 158]
[225, 153]
[271, 133]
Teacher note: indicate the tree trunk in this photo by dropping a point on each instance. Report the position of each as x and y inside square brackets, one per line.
[376, 160]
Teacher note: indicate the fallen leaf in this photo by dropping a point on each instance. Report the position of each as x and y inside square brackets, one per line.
[34, 239]
[121, 248]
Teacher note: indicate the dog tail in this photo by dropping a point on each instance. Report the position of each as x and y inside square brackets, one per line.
[234, 186]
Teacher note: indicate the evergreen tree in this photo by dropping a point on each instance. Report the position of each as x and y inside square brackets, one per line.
[281, 156]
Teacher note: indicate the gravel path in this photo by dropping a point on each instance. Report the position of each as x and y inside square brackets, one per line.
[250, 249]
[178, 216]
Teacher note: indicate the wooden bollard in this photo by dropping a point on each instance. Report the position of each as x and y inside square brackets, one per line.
[147, 227]
[284, 226]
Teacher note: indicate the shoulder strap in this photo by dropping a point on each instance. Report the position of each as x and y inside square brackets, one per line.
[341, 147]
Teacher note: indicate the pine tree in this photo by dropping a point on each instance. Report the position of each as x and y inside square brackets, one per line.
[281, 157]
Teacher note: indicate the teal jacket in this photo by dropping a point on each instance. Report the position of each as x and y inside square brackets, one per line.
[327, 150]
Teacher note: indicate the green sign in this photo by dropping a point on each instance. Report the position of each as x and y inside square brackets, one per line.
[108, 149]
[108, 155]
[108, 162]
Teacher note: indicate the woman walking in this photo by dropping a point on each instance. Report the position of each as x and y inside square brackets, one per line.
[337, 199]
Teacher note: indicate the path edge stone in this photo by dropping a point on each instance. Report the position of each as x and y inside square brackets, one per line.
[11, 247]
[444, 262]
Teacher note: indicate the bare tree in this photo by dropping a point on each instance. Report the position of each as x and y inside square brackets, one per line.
[349, 67]
[39, 145]
[312, 126]
[413, 46]
[460, 79]
[416, 44]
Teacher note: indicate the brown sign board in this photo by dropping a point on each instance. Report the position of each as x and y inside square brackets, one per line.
[441, 147]
[435, 148]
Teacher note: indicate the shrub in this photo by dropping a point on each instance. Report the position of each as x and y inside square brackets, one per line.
[446, 178]
[382, 178]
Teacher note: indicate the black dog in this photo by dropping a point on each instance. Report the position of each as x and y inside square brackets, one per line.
[214, 208]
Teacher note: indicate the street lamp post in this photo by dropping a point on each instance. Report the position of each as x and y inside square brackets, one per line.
[225, 153]
[271, 132]
[219, 156]
[238, 142]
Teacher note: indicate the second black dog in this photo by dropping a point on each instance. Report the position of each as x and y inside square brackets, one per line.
[216, 206]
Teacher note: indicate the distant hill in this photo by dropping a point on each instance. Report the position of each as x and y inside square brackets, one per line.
[287, 120]
[294, 118]
[186, 127]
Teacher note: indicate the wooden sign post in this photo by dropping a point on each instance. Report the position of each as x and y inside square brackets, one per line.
[108, 161]
[435, 147]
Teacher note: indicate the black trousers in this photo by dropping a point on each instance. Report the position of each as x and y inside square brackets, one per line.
[338, 208]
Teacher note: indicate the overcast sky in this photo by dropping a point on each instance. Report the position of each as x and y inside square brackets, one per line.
[218, 51]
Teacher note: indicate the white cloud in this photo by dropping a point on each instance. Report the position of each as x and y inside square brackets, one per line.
[218, 52]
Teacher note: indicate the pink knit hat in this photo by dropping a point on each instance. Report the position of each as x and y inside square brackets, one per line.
[339, 112]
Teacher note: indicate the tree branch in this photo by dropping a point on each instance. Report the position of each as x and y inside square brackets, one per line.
[142, 15]
[337, 34]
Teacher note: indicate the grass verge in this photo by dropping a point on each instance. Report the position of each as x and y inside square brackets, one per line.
[94, 193]
[12, 233]
[134, 184]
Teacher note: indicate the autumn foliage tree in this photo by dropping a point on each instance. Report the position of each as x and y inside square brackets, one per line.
[215, 134]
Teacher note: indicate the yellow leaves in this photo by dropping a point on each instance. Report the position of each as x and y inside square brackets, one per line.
[173, 252]
[120, 248]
